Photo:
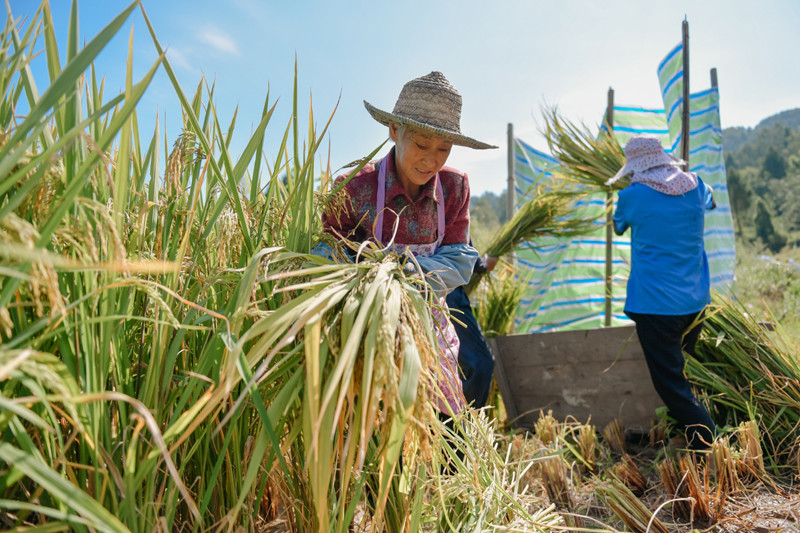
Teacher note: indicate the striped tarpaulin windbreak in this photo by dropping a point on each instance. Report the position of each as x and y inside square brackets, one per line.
[705, 158]
[566, 277]
[670, 78]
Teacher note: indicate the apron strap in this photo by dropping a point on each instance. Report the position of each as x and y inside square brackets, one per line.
[381, 200]
[440, 209]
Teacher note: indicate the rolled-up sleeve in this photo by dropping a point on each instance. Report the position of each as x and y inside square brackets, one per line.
[450, 266]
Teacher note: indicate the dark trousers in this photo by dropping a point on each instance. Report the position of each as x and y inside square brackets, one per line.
[663, 341]
[475, 359]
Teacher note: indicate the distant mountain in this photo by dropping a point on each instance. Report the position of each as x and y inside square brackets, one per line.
[790, 117]
[734, 138]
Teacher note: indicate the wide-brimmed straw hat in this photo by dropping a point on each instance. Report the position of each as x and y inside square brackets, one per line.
[644, 153]
[429, 104]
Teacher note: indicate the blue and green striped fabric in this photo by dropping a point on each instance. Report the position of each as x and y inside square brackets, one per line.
[566, 277]
[670, 78]
[706, 159]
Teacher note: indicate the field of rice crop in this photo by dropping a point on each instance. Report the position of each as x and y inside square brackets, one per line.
[173, 357]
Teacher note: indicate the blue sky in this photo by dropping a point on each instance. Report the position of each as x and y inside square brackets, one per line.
[506, 58]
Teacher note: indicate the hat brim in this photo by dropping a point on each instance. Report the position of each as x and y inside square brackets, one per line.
[386, 118]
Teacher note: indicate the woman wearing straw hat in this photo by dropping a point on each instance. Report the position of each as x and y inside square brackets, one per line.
[668, 287]
[413, 200]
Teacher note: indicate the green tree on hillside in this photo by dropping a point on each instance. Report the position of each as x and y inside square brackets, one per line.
[740, 195]
[765, 230]
[774, 164]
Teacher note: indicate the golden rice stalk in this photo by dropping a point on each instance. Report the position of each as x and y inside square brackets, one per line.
[670, 477]
[545, 213]
[751, 463]
[614, 434]
[554, 478]
[691, 491]
[547, 428]
[587, 445]
[658, 432]
[725, 462]
[627, 472]
[697, 488]
[628, 508]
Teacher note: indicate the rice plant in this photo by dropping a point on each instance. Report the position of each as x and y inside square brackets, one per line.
[167, 342]
[497, 299]
[747, 372]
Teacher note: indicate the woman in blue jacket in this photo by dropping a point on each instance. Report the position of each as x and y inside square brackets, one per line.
[668, 288]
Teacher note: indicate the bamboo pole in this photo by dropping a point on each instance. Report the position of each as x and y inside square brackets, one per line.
[510, 191]
[511, 195]
[609, 222]
[685, 117]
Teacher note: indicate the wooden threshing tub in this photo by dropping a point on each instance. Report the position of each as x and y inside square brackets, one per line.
[598, 373]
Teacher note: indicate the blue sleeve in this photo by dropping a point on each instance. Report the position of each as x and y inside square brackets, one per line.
[708, 196]
[450, 266]
[621, 223]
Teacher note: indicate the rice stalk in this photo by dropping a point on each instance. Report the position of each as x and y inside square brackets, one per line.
[691, 491]
[614, 435]
[487, 489]
[628, 508]
[587, 446]
[627, 472]
[697, 488]
[725, 461]
[586, 158]
[751, 461]
[554, 478]
[496, 307]
[547, 428]
[658, 432]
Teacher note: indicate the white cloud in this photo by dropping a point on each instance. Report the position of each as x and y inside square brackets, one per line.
[178, 58]
[220, 41]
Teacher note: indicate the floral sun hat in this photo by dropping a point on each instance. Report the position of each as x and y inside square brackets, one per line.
[649, 164]
[432, 105]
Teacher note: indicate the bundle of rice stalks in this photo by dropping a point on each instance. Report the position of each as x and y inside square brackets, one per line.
[544, 213]
[487, 489]
[614, 435]
[369, 370]
[658, 432]
[554, 477]
[497, 305]
[748, 372]
[627, 472]
[547, 428]
[586, 157]
[725, 466]
[586, 446]
[628, 508]
[750, 463]
[691, 490]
